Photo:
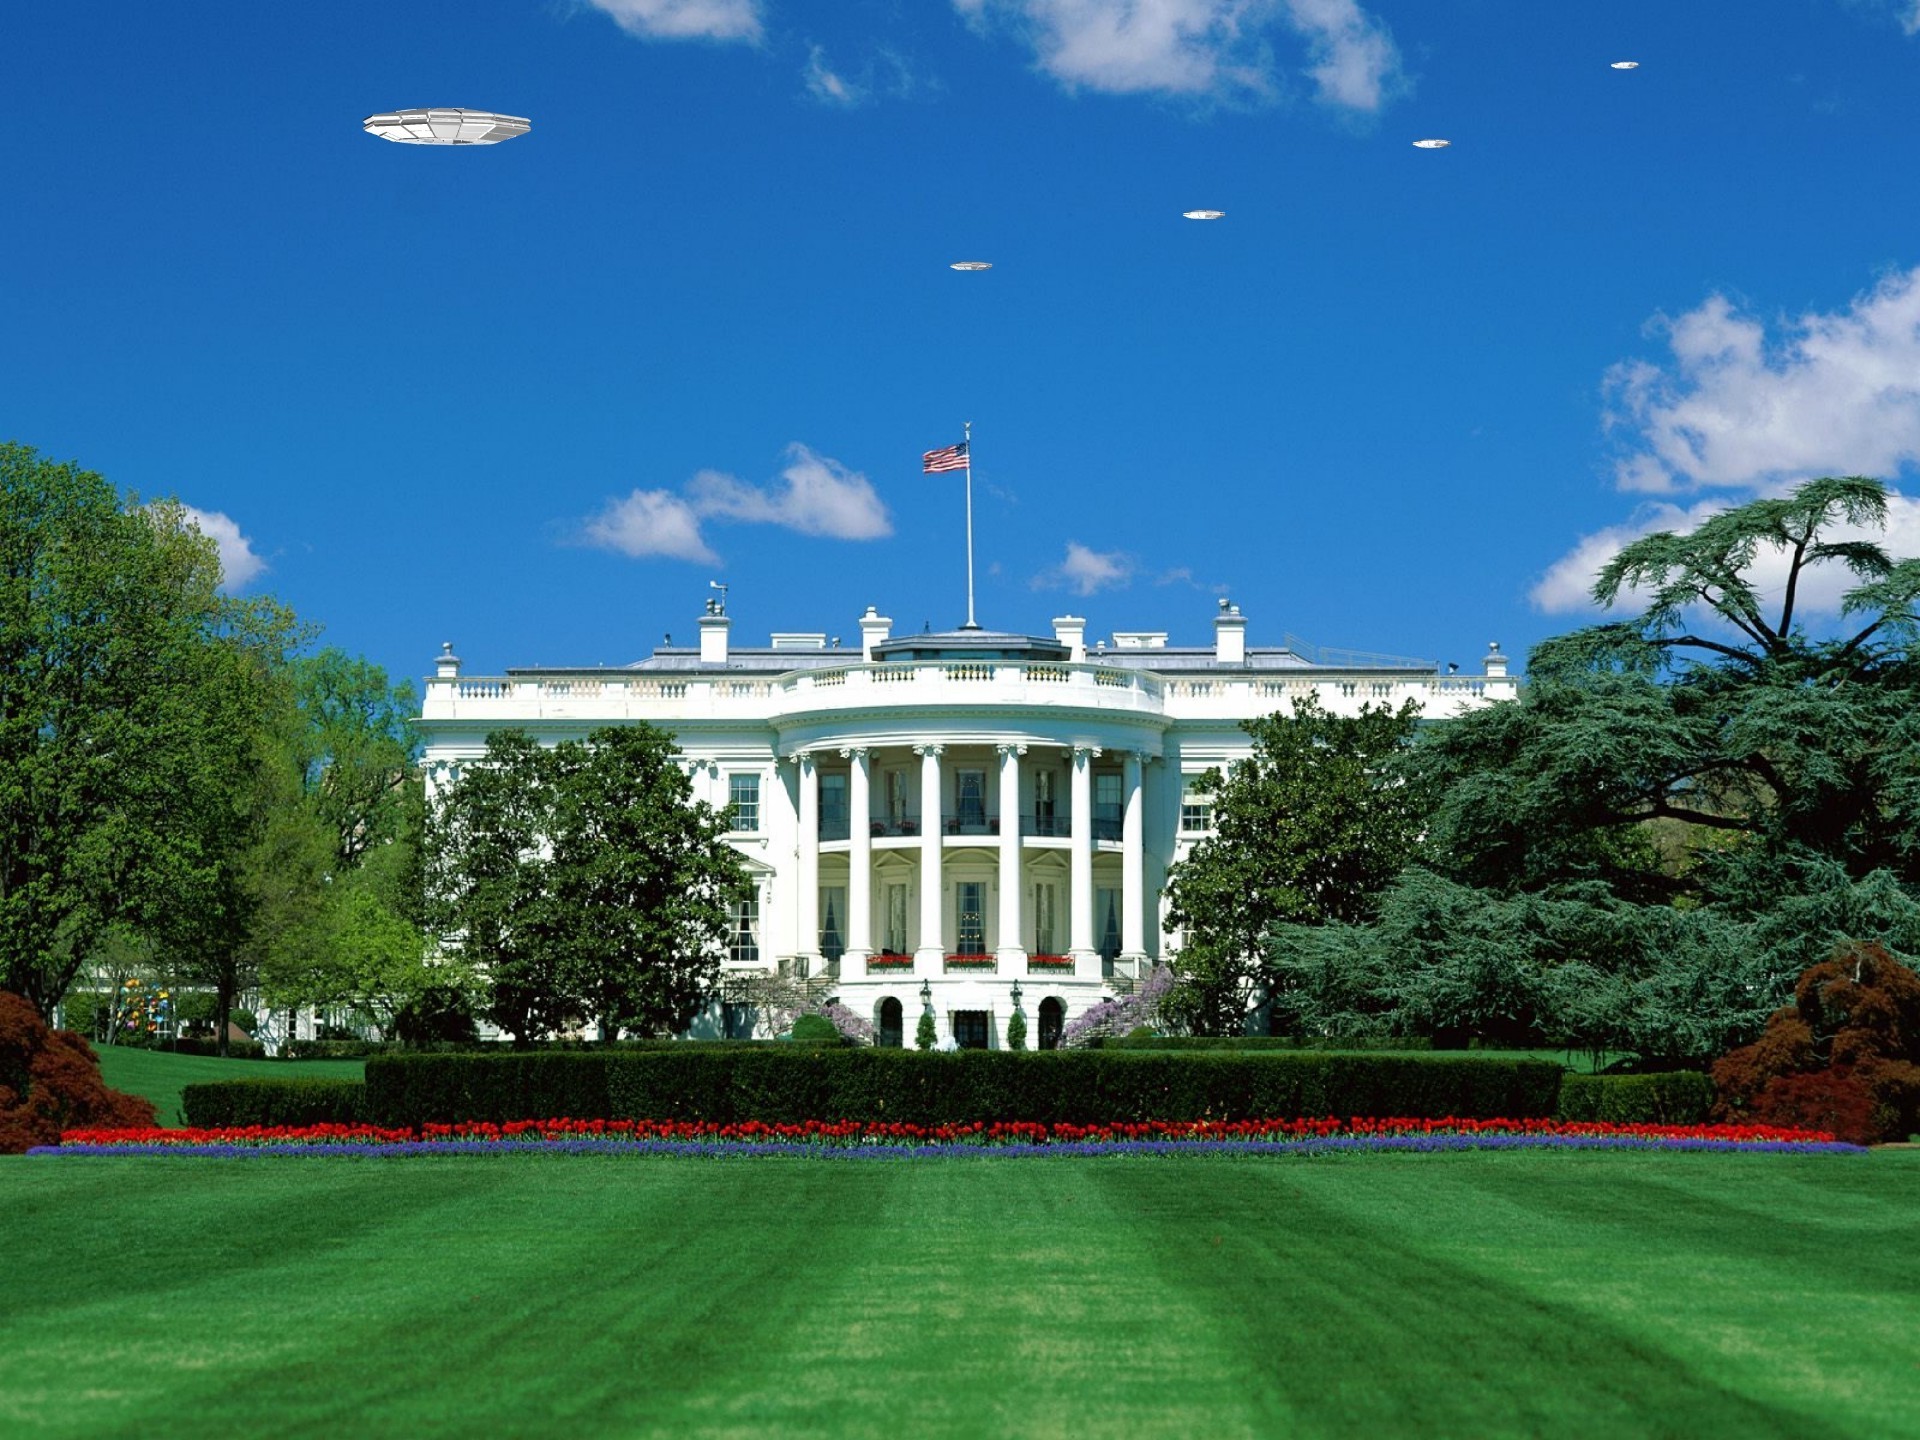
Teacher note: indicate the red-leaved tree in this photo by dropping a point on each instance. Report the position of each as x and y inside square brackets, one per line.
[50, 1081]
[1844, 1056]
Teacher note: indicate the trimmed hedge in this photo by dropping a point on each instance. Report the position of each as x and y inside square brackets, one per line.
[1396, 1044]
[1678, 1097]
[236, 1049]
[794, 1083]
[274, 1102]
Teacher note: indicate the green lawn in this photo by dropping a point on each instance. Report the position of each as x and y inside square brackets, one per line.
[160, 1076]
[1518, 1294]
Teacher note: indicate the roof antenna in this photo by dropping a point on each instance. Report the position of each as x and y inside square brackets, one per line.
[721, 609]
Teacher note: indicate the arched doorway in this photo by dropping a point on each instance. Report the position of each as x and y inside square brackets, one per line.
[1053, 1019]
[887, 1025]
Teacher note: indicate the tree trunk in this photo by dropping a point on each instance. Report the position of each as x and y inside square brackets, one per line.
[224, 995]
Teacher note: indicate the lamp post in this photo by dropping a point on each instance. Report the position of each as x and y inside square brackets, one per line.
[926, 996]
[1016, 994]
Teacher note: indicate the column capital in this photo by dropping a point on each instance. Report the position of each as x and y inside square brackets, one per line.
[848, 752]
[1087, 752]
[1010, 749]
[925, 750]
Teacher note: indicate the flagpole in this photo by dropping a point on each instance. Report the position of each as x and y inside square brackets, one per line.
[969, 443]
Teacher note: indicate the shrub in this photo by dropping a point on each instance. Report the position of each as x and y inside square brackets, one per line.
[1396, 1044]
[924, 1037]
[1848, 1047]
[439, 1015]
[50, 1081]
[274, 1102]
[1678, 1097]
[1016, 1031]
[792, 1083]
[336, 1049]
[236, 1049]
[815, 1030]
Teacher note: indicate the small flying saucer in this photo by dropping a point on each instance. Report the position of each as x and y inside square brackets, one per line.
[971, 265]
[1431, 144]
[1204, 214]
[1624, 65]
[445, 127]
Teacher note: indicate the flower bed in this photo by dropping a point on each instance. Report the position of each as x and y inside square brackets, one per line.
[851, 1138]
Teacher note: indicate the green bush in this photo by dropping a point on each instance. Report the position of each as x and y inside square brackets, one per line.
[337, 1049]
[274, 1102]
[788, 1083]
[815, 1030]
[1365, 1043]
[236, 1049]
[1678, 1097]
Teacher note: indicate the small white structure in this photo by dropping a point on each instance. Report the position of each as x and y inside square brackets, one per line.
[445, 127]
[941, 816]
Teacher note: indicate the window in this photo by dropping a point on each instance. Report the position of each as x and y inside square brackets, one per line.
[1046, 813]
[833, 807]
[970, 1029]
[892, 1027]
[896, 797]
[1106, 911]
[896, 920]
[1043, 913]
[971, 920]
[971, 793]
[1106, 805]
[833, 910]
[1196, 811]
[743, 795]
[743, 927]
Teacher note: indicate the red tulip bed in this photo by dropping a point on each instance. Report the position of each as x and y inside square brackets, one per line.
[864, 1140]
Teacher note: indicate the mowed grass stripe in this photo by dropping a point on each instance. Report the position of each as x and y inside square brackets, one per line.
[1457, 1294]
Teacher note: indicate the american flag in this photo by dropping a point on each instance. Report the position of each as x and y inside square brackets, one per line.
[954, 457]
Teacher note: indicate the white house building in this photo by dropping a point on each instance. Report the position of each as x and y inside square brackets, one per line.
[950, 819]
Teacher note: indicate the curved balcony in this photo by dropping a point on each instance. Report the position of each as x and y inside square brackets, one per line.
[973, 683]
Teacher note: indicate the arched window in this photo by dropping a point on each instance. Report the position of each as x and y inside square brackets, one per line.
[887, 1026]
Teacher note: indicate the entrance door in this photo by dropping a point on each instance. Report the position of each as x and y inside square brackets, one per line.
[1106, 921]
[1053, 1019]
[889, 1033]
[896, 920]
[833, 911]
[970, 1029]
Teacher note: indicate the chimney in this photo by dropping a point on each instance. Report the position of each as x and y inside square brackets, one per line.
[446, 665]
[1496, 663]
[713, 635]
[1071, 631]
[1229, 635]
[874, 628]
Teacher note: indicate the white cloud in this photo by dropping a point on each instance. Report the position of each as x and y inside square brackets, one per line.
[238, 563]
[1200, 47]
[685, 19]
[1084, 571]
[1354, 59]
[1830, 393]
[829, 87]
[815, 495]
[1567, 586]
[648, 523]
[1910, 21]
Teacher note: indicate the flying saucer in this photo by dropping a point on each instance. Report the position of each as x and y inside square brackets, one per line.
[445, 127]
[971, 265]
[1204, 214]
[1431, 144]
[1625, 65]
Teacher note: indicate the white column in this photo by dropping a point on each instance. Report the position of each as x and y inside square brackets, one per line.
[807, 906]
[1133, 867]
[930, 955]
[1080, 898]
[1010, 950]
[853, 964]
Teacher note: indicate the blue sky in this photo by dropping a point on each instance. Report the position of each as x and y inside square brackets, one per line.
[699, 322]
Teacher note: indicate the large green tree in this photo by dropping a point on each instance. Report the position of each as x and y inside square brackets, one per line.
[1309, 829]
[1684, 809]
[1696, 749]
[131, 692]
[584, 882]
